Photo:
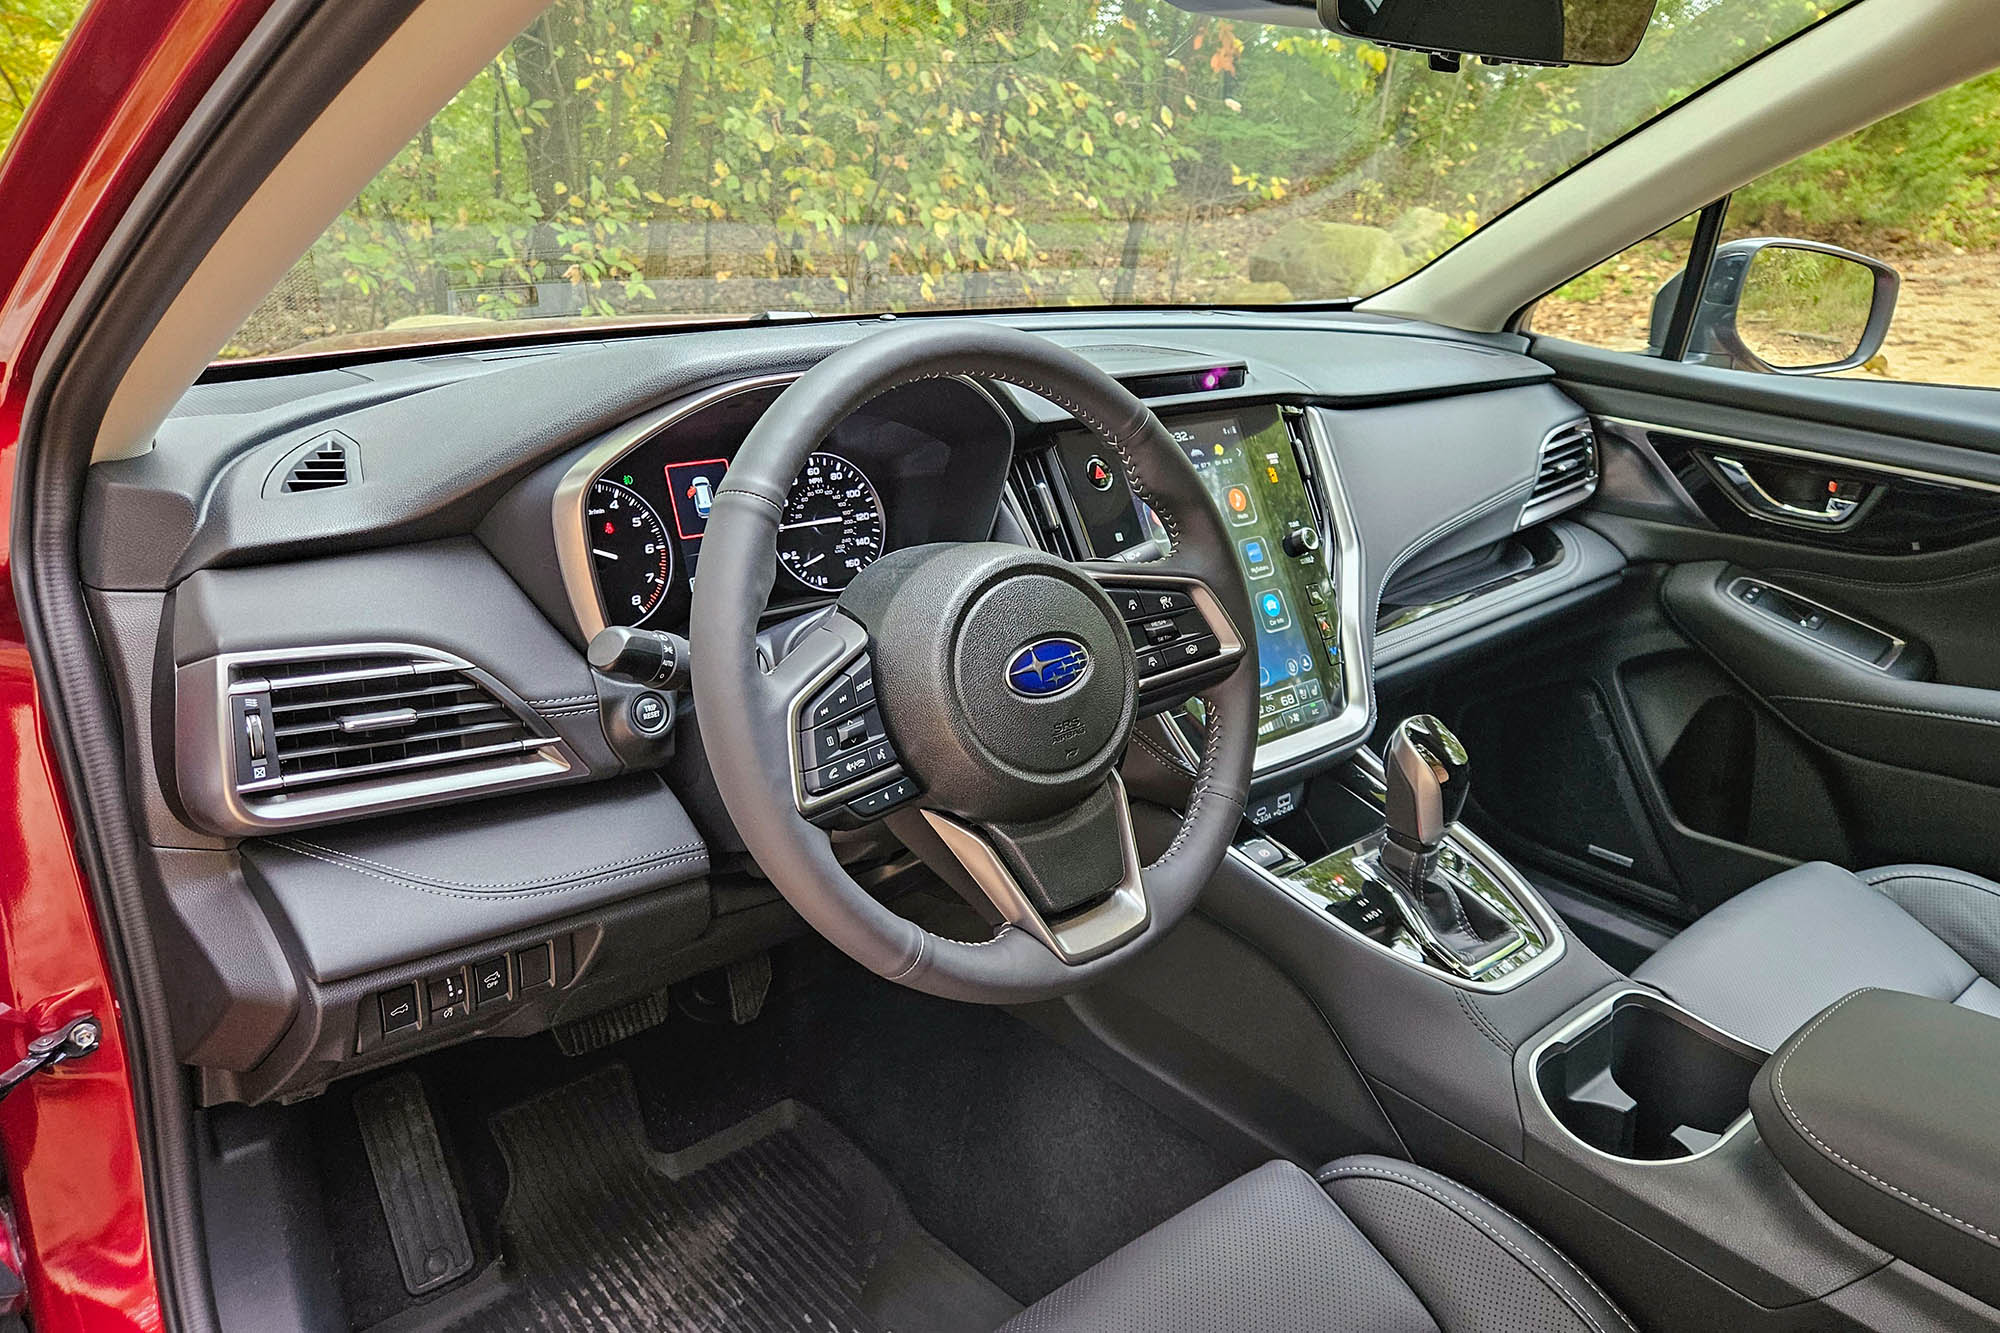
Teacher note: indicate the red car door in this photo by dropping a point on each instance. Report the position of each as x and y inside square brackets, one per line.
[118, 93]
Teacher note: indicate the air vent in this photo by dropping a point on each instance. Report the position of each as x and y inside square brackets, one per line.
[1569, 459]
[1035, 491]
[340, 719]
[302, 736]
[327, 462]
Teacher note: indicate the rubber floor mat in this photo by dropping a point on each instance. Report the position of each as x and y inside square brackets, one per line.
[777, 1223]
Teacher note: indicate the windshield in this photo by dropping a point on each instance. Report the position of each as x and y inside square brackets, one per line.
[681, 160]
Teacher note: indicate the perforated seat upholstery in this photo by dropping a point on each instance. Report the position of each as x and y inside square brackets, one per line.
[1368, 1244]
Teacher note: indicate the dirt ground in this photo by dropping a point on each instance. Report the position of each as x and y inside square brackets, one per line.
[1946, 330]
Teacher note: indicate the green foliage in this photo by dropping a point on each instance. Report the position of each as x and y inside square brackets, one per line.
[1924, 176]
[31, 32]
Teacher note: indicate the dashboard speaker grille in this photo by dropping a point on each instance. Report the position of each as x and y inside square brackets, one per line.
[1569, 459]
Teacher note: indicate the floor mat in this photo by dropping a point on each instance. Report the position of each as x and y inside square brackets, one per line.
[777, 1222]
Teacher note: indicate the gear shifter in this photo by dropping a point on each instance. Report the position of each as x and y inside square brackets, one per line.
[1428, 775]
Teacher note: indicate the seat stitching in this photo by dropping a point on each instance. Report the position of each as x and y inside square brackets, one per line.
[403, 883]
[1887, 708]
[1940, 876]
[1778, 1083]
[1568, 1298]
[439, 881]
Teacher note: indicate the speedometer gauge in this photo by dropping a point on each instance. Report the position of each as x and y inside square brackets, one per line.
[629, 550]
[833, 525]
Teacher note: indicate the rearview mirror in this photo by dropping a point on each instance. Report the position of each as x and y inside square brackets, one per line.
[1545, 32]
[1786, 307]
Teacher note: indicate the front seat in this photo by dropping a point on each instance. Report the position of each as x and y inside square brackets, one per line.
[1368, 1244]
[1762, 964]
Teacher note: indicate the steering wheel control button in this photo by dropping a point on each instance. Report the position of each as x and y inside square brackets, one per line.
[878, 802]
[835, 702]
[650, 713]
[399, 1008]
[489, 981]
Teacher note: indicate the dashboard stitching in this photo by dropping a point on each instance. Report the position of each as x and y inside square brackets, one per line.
[403, 883]
[676, 852]
[1445, 529]
[540, 704]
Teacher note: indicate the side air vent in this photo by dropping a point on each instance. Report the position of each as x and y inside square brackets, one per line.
[329, 461]
[309, 735]
[1566, 473]
[1041, 505]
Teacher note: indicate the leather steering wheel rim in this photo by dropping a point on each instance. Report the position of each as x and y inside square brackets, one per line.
[745, 706]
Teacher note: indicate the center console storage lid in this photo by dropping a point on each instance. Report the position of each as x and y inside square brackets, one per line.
[1886, 1110]
[364, 896]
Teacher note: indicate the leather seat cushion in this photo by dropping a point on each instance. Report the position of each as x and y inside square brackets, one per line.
[1371, 1244]
[1762, 964]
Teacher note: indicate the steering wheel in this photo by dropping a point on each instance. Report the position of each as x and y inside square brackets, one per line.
[983, 692]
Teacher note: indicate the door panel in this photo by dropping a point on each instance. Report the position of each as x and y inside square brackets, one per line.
[1759, 730]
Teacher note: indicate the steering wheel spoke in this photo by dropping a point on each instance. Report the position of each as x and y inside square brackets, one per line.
[1072, 882]
[1182, 639]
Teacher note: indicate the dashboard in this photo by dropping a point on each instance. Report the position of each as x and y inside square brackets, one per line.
[375, 766]
[919, 464]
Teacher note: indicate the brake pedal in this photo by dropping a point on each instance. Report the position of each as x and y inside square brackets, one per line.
[749, 987]
[418, 1197]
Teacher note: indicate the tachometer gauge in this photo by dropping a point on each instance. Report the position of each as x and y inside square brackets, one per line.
[833, 525]
[630, 550]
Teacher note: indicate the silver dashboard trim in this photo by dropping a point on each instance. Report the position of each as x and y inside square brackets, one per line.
[579, 578]
[1574, 493]
[1812, 455]
[1081, 936]
[204, 750]
[572, 492]
[1344, 545]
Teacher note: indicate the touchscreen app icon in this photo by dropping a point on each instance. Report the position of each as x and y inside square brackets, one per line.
[1257, 559]
[1276, 615]
[1241, 511]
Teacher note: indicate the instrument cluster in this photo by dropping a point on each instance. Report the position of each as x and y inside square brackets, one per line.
[896, 473]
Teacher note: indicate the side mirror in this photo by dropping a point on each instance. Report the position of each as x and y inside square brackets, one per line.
[1786, 307]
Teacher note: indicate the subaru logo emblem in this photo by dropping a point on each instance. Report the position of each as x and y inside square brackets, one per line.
[1048, 667]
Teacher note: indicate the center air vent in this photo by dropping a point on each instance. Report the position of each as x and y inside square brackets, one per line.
[310, 734]
[329, 461]
[1566, 473]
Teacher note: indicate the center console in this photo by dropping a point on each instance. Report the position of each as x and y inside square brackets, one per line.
[1500, 1050]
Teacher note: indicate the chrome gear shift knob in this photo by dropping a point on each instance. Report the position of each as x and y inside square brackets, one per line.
[1428, 776]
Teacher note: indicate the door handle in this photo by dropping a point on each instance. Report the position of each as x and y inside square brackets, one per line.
[1835, 510]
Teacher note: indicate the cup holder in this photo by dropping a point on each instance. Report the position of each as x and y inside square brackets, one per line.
[1642, 1079]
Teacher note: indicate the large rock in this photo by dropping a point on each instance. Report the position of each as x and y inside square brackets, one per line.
[1425, 233]
[1256, 293]
[1322, 260]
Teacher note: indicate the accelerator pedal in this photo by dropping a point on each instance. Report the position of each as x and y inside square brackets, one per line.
[594, 1032]
[418, 1197]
